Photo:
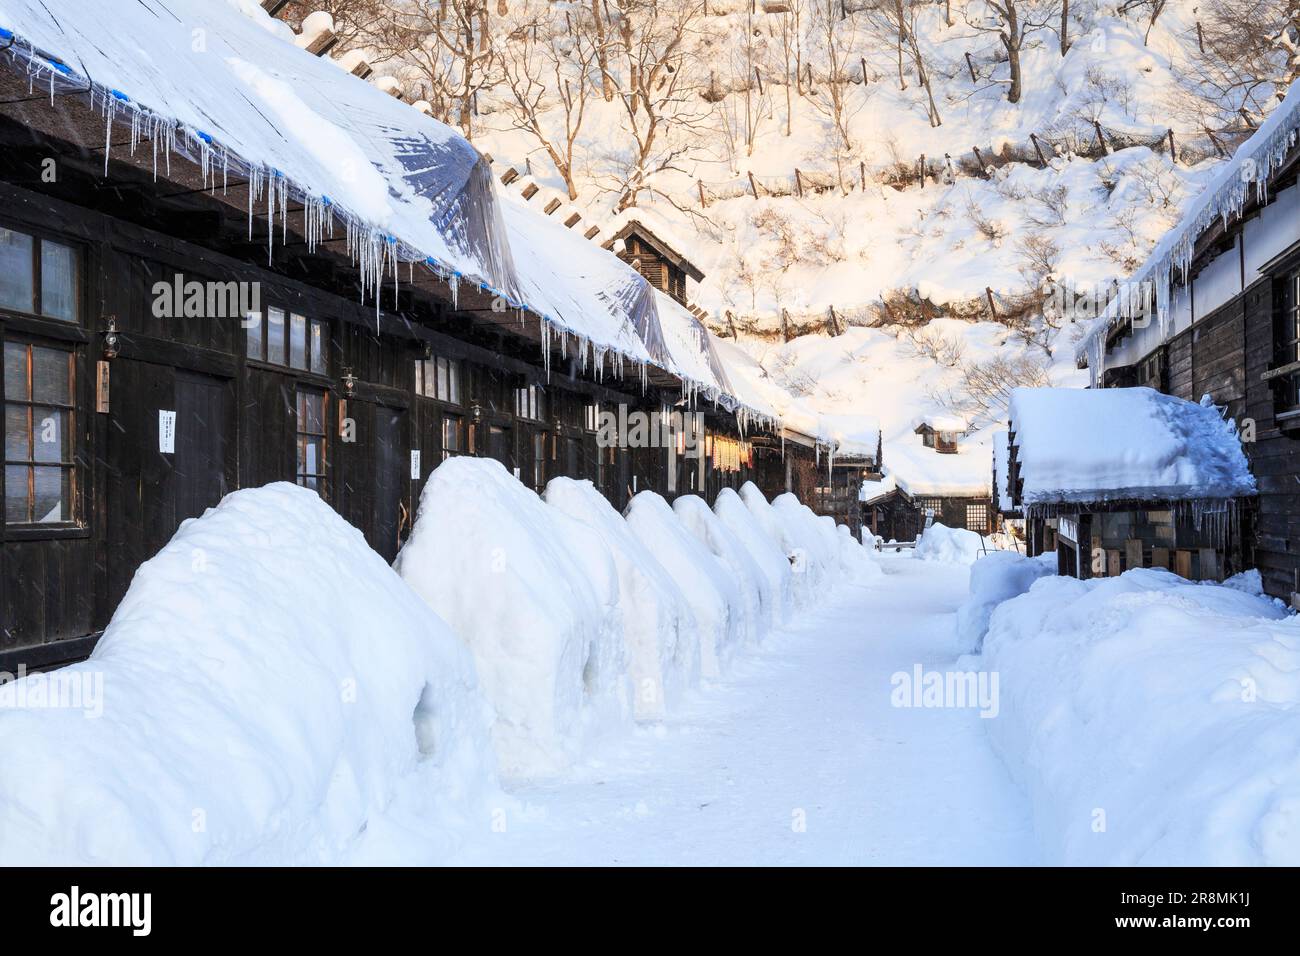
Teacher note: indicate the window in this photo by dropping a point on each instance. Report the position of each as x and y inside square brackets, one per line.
[591, 417]
[296, 341]
[1286, 302]
[530, 403]
[311, 440]
[932, 506]
[40, 470]
[438, 378]
[945, 443]
[977, 518]
[38, 276]
[451, 436]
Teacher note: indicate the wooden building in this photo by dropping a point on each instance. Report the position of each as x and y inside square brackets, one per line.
[653, 257]
[178, 324]
[1227, 326]
[1116, 479]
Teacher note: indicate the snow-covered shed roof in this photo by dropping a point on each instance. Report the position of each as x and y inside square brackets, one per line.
[1229, 191]
[941, 422]
[224, 85]
[1123, 444]
[921, 472]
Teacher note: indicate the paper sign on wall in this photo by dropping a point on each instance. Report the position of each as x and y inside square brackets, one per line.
[415, 464]
[166, 432]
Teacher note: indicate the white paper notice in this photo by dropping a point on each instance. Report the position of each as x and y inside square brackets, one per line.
[166, 432]
[415, 464]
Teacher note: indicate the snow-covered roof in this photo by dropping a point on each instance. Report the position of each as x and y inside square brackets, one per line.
[941, 422]
[1227, 194]
[224, 85]
[1120, 444]
[872, 491]
[923, 472]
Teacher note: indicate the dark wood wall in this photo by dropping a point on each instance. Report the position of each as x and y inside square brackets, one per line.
[237, 420]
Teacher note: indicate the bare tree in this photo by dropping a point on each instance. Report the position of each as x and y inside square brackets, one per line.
[1251, 56]
[649, 60]
[1013, 21]
[548, 71]
[834, 38]
[897, 20]
[447, 44]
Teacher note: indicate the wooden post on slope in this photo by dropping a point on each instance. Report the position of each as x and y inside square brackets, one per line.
[862, 171]
[993, 309]
[979, 158]
[1101, 139]
[1033, 138]
[752, 186]
[785, 325]
[922, 169]
[798, 183]
[703, 203]
[970, 65]
[1173, 153]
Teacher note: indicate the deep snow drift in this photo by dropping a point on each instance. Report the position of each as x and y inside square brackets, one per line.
[659, 627]
[766, 552]
[712, 592]
[1152, 720]
[997, 577]
[270, 688]
[941, 543]
[534, 594]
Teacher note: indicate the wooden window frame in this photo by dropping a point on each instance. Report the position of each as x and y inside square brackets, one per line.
[459, 423]
[530, 403]
[301, 434]
[428, 383]
[39, 237]
[1286, 342]
[76, 525]
[309, 352]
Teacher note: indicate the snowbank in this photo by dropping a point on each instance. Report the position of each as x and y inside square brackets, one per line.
[1000, 576]
[941, 543]
[813, 538]
[710, 589]
[724, 544]
[1152, 720]
[658, 626]
[1081, 445]
[857, 560]
[791, 539]
[270, 690]
[765, 550]
[535, 596]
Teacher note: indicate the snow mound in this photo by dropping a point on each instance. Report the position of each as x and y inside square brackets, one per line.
[790, 537]
[999, 577]
[1152, 721]
[712, 592]
[658, 626]
[756, 598]
[270, 690]
[1084, 445]
[534, 594]
[765, 550]
[857, 560]
[941, 543]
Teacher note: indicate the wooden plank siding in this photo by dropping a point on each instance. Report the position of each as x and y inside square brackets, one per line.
[237, 418]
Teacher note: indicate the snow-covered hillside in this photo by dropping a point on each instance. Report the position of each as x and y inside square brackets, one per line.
[937, 171]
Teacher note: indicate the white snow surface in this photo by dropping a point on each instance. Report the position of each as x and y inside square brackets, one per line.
[712, 592]
[1079, 445]
[997, 577]
[776, 581]
[272, 693]
[659, 628]
[941, 543]
[757, 610]
[535, 595]
[1151, 720]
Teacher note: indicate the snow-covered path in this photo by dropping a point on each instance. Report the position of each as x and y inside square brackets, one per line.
[800, 730]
